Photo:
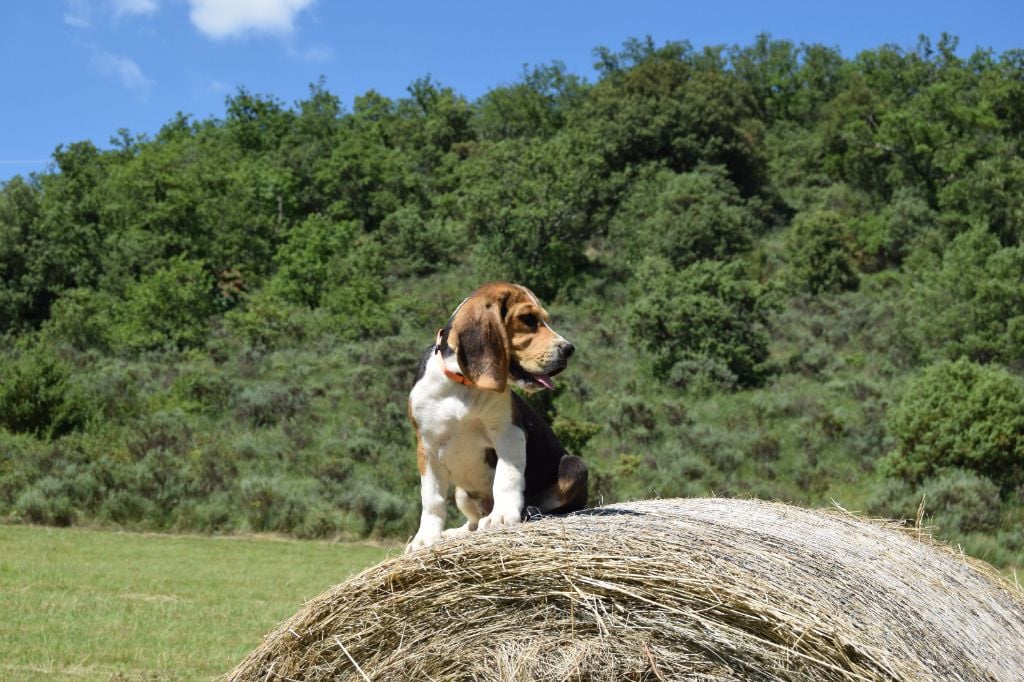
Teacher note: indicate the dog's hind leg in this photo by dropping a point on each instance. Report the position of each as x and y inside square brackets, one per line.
[474, 509]
[568, 493]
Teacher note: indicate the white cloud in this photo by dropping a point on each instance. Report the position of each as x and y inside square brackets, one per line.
[122, 7]
[77, 13]
[231, 18]
[125, 69]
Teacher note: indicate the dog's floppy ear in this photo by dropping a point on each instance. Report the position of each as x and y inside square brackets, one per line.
[481, 343]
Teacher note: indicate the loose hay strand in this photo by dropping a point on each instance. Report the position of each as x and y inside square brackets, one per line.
[353, 661]
[708, 588]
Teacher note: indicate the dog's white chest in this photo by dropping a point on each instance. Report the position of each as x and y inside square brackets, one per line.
[458, 426]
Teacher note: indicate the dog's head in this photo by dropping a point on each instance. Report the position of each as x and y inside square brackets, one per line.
[500, 334]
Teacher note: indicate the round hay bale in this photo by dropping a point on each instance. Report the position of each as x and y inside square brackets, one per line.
[664, 589]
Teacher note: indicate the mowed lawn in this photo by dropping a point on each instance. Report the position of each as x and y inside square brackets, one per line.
[85, 604]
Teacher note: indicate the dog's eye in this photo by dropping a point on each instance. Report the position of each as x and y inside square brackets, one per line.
[529, 319]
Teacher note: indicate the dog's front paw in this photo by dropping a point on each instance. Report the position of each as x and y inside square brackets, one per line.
[464, 529]
[499, 518]
[422, 540]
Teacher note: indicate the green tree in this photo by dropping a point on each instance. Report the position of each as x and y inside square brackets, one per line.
[37, 393]
[63, 245]
[964, 415]
[536, 106]
[706, 323]
[818, 254]
[673, 106]
[256, 123]
[170, 307]
[19, 211]
[972, 303]
[532, 205]
[305, 260]
[884, 238]
[193, 195]
[332, 266]
[684, 217]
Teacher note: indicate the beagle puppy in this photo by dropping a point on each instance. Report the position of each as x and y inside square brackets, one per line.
[474, 432]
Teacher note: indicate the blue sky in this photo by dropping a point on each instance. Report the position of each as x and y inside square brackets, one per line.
[82, 69]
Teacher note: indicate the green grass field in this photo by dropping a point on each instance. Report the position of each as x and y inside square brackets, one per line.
[86, 604]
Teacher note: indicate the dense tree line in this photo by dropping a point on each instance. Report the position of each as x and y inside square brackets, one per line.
[788, 274]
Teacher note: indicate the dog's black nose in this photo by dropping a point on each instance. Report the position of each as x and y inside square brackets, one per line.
[567, 350]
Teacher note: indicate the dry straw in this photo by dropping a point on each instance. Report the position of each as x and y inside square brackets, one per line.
[708, 589]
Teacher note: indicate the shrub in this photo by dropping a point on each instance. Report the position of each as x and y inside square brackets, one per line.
[127, 507]
[885, 237]
[269, 403]
[22, 457]
[171, 307]
[209, 514]
[574, 434]
[962, 502]
[531, 205]
[704, 323]
[37, 394]
[684, 217]
[203, 389]
[973, 303]
[81, 317]
[960, 414]
[382, 511]
[47, 502]
[265, 320]
[305, 260]
[276, 503]
[818, 255]
[956, 502]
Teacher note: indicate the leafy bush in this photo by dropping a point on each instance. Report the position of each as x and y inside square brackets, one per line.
[171, 307]
[382, 511]
[38, 396]
[962, 502]
[684, 217]
[960, 415]
[21, 459]
[81, 317]
[818, 255]
[48, 502]
[278, 503]
[704, 324]
[956, 502]
[972, 304]
[269, 403]
[531, 205]
[886, 237]
[306, 260]
[266, 321]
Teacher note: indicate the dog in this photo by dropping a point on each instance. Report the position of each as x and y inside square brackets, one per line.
[474, 432]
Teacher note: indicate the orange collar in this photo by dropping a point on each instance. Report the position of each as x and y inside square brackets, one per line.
[454, 376]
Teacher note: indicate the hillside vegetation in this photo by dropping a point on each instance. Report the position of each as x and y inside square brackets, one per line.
[787, 273]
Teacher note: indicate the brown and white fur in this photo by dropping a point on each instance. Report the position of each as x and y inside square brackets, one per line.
[474, 432]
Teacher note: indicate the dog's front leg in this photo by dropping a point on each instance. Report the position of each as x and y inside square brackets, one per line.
[509, 479]
[433, 491]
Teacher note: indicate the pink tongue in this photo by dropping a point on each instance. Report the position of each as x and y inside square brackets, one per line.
[545, 381]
